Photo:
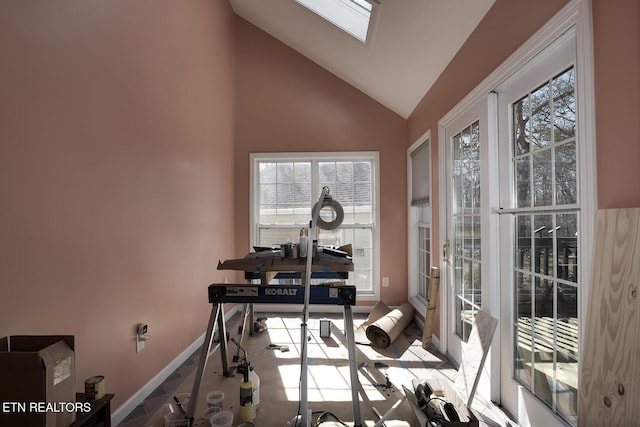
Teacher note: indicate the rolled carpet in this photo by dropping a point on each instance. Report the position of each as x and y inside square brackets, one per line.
[385, 330]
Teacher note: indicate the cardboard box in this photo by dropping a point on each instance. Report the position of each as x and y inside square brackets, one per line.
[37, 381]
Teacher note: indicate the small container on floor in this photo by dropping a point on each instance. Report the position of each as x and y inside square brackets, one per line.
[215, 398]
[211, 411]
[222, 419]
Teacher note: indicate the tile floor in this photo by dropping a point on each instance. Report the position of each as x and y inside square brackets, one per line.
[141, 415]
[147, 413]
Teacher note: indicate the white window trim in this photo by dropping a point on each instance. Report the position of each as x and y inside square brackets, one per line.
[418, 303]
[344, 14]
[374, 156]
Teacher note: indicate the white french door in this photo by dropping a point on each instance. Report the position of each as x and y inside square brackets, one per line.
[469, 166]
[540, 240]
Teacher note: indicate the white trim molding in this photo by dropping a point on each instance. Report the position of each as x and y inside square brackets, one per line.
[372, 294]
[418, 303]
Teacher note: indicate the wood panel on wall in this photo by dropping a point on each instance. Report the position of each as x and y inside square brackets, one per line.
[610, 381]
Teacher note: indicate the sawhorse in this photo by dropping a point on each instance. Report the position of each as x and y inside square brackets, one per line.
[275, 294]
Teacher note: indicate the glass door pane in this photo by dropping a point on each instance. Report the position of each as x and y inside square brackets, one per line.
[466, 230]
[546, 245]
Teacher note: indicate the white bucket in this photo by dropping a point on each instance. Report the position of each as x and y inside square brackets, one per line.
[255, 380]
[215, 398]
[211, 411]
[222, 419]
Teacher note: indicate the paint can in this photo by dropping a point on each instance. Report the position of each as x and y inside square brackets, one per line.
[94, 388]
[286, 250]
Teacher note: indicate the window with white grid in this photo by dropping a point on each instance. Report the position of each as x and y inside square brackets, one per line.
[286, 186]
[419, 232]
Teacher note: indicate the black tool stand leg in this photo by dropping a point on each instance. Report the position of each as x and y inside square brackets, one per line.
[251, 320]
[217, 317]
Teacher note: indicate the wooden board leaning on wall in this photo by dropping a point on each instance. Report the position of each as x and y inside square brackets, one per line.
[610, 380]
[432, 302]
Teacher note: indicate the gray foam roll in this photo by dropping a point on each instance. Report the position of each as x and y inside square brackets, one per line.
[335, 206]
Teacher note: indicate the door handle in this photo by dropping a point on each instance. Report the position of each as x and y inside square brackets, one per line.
[446, 249]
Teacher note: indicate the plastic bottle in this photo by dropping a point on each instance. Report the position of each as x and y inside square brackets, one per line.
[255, 380]
[302, 245]
[246, 412]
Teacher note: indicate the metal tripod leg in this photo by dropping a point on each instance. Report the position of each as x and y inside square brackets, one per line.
[353, 365]
[242, 329]
[217, 317]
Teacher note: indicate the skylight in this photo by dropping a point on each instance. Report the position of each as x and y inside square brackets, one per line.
[352, 16]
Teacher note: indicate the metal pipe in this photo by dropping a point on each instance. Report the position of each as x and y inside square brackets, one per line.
[304, 392]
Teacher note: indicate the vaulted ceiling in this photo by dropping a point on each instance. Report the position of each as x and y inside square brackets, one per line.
[410, 42]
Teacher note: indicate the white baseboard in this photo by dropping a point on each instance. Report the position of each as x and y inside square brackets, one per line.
[436, 343]
[127, 407]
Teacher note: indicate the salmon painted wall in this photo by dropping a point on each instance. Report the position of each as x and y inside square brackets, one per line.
[506, 26]
[616, 30]
[617, 87]
[286, 102]
[116, 132]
